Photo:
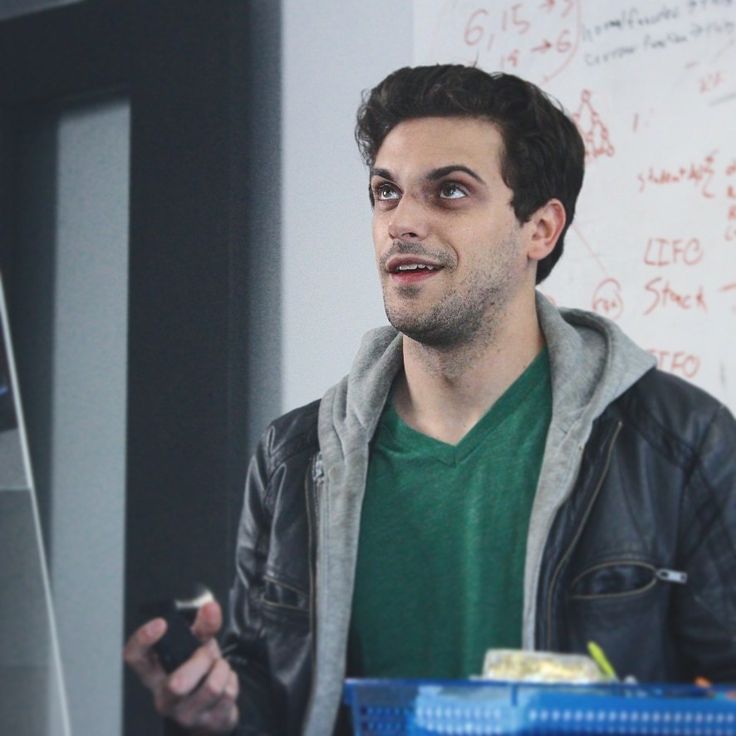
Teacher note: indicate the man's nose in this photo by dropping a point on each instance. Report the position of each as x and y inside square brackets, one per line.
[409, 220]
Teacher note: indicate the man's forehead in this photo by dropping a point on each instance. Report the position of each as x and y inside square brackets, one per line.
[431, 143]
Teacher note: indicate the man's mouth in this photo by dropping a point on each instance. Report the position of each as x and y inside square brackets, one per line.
[408, 269]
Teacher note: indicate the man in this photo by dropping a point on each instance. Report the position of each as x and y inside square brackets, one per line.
[493, 472]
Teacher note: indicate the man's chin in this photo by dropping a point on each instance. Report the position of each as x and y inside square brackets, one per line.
[430, 335]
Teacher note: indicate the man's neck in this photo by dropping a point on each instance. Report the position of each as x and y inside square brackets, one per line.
[443, 393]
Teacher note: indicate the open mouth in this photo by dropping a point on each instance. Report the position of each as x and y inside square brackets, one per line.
[408, 270]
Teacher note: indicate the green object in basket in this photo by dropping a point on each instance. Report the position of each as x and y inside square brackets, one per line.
[601, 660]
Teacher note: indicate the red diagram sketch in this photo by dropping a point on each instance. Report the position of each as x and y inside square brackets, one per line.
[592, 128]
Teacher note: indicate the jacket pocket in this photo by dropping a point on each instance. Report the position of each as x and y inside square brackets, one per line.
[279, 596]
[622, 606]
[621, 578]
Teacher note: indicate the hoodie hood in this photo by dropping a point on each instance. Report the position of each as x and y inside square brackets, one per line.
[592, 362]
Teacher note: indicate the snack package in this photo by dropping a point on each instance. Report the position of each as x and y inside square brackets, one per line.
[523, 666]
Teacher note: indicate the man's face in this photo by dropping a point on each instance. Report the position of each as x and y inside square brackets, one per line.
[450, 251]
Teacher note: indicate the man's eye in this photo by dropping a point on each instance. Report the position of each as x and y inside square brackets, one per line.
[385, 191]
[451, 190]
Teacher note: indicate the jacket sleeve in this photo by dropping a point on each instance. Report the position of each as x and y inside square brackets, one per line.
[243, 641]
[705, 609]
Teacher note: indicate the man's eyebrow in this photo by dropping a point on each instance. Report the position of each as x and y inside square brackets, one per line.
[445, 170]
[383, 173]
[434, 175]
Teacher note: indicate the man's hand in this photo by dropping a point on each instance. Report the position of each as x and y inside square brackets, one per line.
[202, 693]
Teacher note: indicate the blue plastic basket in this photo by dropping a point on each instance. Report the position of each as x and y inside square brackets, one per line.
[473, 708]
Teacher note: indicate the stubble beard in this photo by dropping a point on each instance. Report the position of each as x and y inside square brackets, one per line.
[470, 315]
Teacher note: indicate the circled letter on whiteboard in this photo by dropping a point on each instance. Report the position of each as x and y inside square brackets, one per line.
[607, 299]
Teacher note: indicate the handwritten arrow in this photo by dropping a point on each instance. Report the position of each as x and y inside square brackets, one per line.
[543, 47]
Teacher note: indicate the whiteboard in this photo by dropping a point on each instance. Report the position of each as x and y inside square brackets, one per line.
[652, 88]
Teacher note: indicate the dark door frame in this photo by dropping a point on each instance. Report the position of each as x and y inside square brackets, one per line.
[191, 70]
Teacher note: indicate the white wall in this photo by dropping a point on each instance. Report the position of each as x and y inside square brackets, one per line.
[71, 273]
[88, 408]
[331, 52]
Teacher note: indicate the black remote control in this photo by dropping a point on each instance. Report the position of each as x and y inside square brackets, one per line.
[178, 644]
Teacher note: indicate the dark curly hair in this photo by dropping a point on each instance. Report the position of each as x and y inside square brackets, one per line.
[543, 155]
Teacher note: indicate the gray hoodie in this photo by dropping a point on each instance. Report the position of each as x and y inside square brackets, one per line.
[592, 363]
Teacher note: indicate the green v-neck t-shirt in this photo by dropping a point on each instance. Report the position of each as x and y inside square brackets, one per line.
[440, 568]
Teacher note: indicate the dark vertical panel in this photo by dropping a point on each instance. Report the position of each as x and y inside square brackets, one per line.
[31, 289]
[188, 307]
[178, 298]
[66, 51]
[7, 191]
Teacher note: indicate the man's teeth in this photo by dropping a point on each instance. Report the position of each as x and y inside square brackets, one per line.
[415, 267]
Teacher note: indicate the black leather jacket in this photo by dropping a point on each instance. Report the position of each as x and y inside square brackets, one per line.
[641, 558]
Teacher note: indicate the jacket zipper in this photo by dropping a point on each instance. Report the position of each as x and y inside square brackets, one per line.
[671, 576]
[578, 532]
[662, 574]
[315, 474]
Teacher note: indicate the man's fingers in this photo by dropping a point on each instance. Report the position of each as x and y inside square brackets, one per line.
[223, 716]
[138, 647]
[197, 708]
[180, 685]
[232, 689]
[203, 691]
[187, 677]
[139, 655]
[208, 621]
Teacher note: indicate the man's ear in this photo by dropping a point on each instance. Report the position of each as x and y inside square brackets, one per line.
[546, 225]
